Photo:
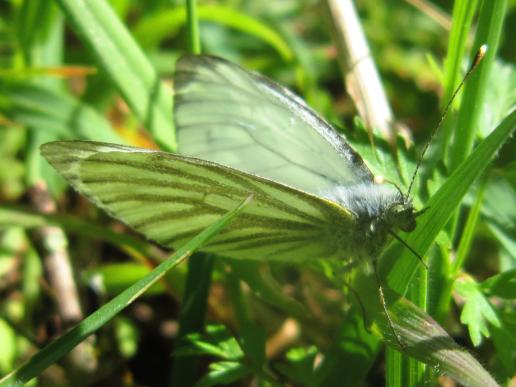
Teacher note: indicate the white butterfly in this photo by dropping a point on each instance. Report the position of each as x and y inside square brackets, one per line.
[242, 134]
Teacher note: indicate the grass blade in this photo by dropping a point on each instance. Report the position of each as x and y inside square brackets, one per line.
[55, 350]
[153, 29]
[443, 203]
[489, 32]
[29, 220]
[44, 108]
[126, 65]
[402, 268]
[195, 298]
[463, 13]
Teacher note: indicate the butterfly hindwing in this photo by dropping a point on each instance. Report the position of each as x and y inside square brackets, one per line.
[170, 198]
[243, 120]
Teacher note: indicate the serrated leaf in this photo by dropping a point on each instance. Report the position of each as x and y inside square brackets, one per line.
[222, 373]
[218, 341]
[477, 310]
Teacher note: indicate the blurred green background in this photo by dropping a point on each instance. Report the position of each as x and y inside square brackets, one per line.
[66, 74]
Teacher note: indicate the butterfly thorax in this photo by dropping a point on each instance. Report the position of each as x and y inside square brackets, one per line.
[378, 210]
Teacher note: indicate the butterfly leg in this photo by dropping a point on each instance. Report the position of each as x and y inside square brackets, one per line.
[385, 310]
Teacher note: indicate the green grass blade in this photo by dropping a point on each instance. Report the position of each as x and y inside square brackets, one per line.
[443, 204]
[29, 220]
[55, 350]
[43, 108]
[185, 370]
[429, 343]
[463, 12]
[195, 298]
[469, 231]
[489, 32]
[154, 29]
[394, 368]
[127, 67]
[491, 22]
[193, 27]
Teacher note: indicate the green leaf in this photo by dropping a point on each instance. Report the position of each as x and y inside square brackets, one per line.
[218, 341]
[429, 343]
[477, 310]
[127, 336]
[222, 373]
[502, 285]
[300, 365]
[501, 219]
[501, 82]
[115, 277]
[504, 339]
[8, 340]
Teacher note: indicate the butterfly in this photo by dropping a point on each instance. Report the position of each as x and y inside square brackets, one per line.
[241, 134]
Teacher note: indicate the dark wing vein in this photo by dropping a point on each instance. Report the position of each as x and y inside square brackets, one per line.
[171, 198]
[219, 105]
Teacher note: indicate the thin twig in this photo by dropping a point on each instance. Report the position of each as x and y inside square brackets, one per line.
[361, 76]
[53, 246]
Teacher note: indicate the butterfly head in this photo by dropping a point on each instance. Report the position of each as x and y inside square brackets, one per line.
[401, 214]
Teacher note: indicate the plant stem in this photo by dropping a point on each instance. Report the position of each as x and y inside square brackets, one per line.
[194, 39]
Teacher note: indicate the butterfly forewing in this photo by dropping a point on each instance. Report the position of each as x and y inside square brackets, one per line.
[170, 198]
[230, 116]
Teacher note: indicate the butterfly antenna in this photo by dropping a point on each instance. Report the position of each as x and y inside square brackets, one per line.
[410, 248]
[478, 57]
[397, 187]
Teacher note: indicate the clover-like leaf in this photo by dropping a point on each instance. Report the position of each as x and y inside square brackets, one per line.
[477, 311]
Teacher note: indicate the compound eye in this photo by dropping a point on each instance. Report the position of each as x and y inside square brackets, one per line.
[406, 221]
[409, 226]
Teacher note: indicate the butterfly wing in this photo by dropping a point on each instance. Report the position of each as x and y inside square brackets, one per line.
[170, 198]
[243, 120]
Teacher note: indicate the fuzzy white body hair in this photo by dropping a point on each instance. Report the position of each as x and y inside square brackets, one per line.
[365, 200]
[377, 210]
